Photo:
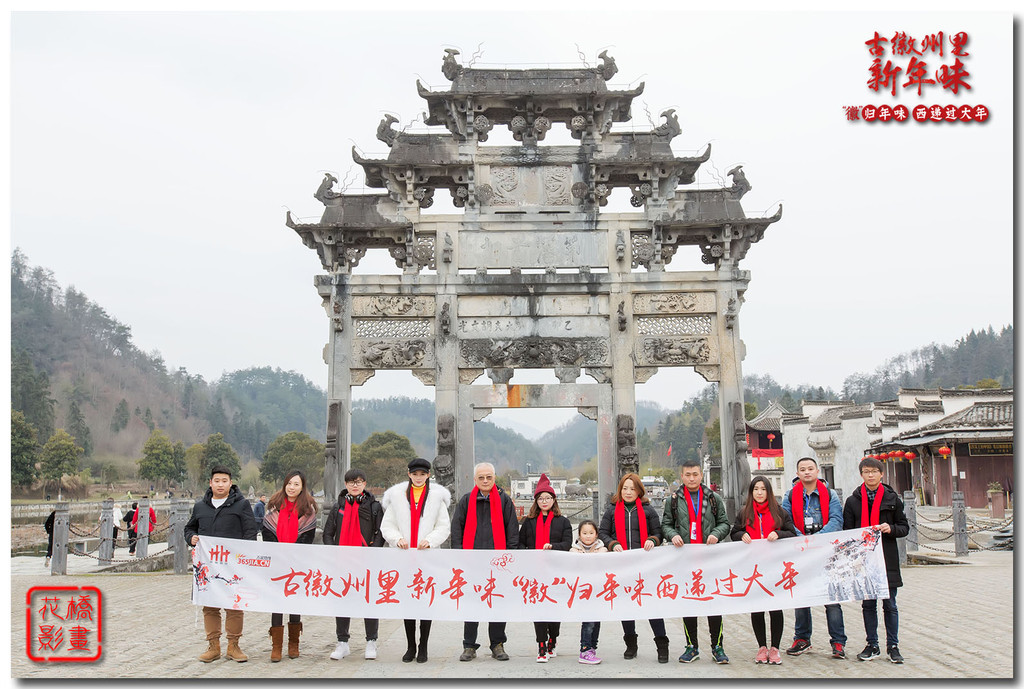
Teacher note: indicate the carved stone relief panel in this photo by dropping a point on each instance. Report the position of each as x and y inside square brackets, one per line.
[674, 351]
[379, 354]
[602, 374]
[373, 329]
[534, 352]
[512, 186]
[393, 305]
[674, 325]
[678, 302]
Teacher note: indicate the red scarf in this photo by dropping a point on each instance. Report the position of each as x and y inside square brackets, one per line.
[796, 501]
[876, 506]
[761, 526]
[349, 534]
[287, 522]
[620, 523]
[696, 514]
[417, 512]
[543, 530]
[497, 523]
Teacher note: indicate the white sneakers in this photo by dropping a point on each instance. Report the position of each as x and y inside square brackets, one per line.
[342, 650]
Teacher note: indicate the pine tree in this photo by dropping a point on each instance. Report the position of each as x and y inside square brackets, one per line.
[79, 429]
[24, 451]
[121, 417]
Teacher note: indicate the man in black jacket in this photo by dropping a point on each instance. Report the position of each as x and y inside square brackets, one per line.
[223, 513]
[876, 504]
[484, 536]
[355, 521]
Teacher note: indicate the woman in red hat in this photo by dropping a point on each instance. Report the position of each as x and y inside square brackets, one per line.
[763, 518]
[544, 528]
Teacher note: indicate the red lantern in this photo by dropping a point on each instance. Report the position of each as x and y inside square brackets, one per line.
[884, 456]
[900, 454]
[945, 451]
[910, 456]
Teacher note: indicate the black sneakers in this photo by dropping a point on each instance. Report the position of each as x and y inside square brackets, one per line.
[799, 646]
[869, 653]
[894, 655]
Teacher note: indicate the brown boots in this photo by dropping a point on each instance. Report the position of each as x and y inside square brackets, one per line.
[233, 630]
[233, 627]
[212, 653]
[294, 629]
[211, 621]
[276, 641]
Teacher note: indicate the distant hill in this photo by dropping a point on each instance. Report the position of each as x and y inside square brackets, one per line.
[75, 366]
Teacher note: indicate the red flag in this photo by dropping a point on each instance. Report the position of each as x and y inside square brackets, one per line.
[669, 453]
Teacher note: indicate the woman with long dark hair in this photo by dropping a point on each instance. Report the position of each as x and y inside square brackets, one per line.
[630, 523]
[416, 517]
[290, 518]
[762, 517]
[544, 528]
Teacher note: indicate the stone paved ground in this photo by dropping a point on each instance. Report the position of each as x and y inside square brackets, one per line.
[956, 622]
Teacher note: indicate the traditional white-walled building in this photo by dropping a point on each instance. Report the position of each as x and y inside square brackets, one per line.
[838, 434]
[524, 487]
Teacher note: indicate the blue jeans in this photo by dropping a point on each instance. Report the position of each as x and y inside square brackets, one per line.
[891, 616]
[589, 632]
[833, 617]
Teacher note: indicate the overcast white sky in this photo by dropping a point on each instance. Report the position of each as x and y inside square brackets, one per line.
[153, 157]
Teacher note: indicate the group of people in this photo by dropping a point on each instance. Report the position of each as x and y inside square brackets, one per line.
[130, 519]
[414, 514]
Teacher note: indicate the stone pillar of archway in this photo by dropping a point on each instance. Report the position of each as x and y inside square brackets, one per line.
[338, 356]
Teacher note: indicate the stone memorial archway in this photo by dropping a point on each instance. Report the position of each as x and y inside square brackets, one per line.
[530, 273]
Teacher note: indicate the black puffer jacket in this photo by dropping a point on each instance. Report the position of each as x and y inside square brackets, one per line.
[483, 539]
[606, 532]
[233, 519]
[371, 514]
[560, 535]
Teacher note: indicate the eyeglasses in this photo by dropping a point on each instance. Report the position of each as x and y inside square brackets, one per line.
[356, 482]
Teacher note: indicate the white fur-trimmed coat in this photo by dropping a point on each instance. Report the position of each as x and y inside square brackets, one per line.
[434, 523]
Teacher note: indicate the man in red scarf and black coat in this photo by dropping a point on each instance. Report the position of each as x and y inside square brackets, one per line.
[877, 504]
[491, 524]
[355, 520]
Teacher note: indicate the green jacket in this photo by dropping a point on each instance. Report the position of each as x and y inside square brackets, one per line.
[676, 519]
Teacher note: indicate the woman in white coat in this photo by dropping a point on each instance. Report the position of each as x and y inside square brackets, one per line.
[416, 516]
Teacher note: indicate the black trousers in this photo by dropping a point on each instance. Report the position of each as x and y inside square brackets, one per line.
[341, 625]
[277, 619]
[714, 626]
[757, 622]
[546, 630]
